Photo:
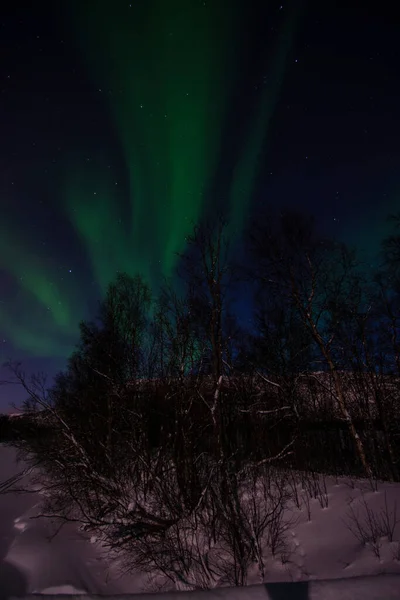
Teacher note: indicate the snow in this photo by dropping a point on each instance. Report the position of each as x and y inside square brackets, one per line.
[323, 547]
[31, 560]
[61, 589]
[383, 587]
[322, 558]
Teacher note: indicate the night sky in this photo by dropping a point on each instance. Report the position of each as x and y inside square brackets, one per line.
[122, 123]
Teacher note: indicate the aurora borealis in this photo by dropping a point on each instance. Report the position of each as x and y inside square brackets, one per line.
[125, 123]
[170, 72]
[167, 76]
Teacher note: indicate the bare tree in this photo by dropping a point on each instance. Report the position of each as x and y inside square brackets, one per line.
[148, 464]
[387, 279]
[313, 276]
[207, 275]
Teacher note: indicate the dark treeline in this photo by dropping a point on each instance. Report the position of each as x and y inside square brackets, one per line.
[170, 407]
[11, 430]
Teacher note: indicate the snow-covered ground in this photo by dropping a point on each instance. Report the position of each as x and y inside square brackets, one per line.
[319, 547]
[32, 562]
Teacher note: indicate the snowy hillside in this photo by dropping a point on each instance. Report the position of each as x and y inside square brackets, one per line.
[320, 544]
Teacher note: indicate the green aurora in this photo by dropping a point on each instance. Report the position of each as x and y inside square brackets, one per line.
[168, 73]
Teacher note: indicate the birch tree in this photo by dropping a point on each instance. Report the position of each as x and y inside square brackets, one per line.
[314, 276]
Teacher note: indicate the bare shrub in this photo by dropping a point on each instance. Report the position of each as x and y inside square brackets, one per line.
[369, 527]
[315, 486]
[396, 551]
[214, 543]
[307, 503]
[260, 519]
[293, 484]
